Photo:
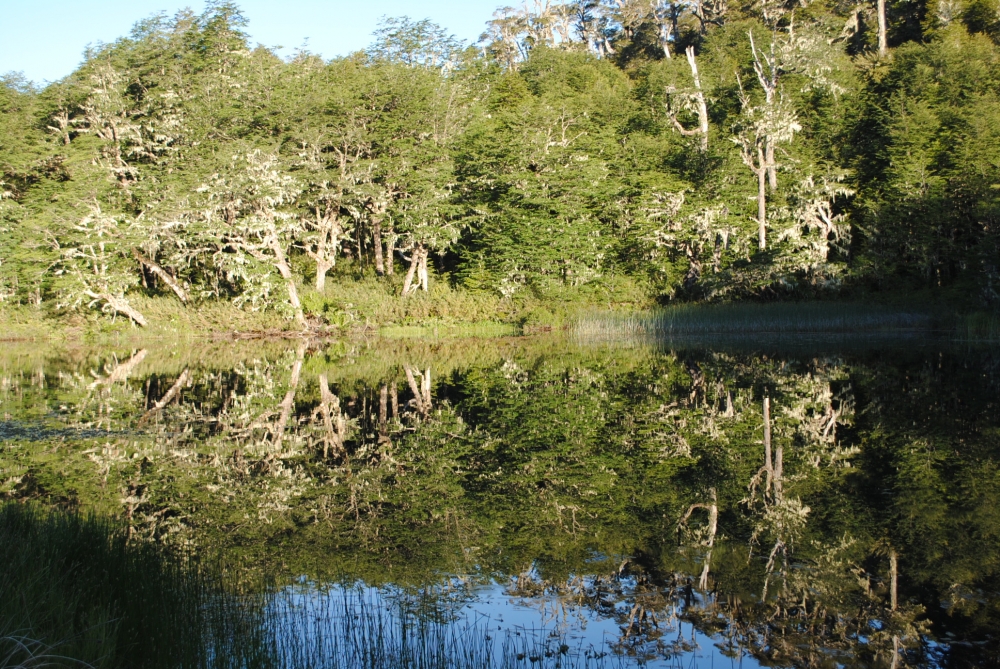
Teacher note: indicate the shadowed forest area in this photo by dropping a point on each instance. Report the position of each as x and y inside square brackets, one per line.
[617, 154]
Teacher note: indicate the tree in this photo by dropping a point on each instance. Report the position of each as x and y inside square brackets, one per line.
[94, 266]
[248, 228]
[690, 102]
[762, 127]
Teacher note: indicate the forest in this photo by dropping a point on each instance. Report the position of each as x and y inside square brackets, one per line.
[617, 153]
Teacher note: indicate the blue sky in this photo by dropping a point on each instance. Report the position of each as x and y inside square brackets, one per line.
[45, 40]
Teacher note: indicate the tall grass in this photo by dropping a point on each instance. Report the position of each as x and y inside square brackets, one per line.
[980, 326]
[754, 319]
[344, 628]
[75, 591]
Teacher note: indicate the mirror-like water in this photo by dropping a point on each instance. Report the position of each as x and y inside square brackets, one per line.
[553, 500]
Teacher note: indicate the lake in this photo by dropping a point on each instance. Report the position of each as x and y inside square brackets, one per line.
[549, 500]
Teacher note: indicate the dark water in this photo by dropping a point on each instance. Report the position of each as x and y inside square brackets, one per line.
[606, 502]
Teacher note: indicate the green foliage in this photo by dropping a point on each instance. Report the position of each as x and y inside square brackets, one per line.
[771, 156]
[928, 205]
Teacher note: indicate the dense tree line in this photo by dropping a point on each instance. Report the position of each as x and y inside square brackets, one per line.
[699, 150]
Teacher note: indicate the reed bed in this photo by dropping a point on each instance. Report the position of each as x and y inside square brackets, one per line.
[343, 628]
[754, 319]
[980, 326]
[76, 591]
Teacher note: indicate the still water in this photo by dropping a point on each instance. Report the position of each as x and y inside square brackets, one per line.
[551, 501]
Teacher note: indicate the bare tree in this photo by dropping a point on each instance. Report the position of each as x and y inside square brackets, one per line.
[883, 42]
[691, 102]
[762, 127]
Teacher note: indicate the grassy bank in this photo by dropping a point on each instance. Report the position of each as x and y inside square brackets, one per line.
[346, 306]
[614, 309]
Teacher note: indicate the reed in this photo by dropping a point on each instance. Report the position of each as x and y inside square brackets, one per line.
[76, 591]
[754, 319]
[84, 594]
[979, 326]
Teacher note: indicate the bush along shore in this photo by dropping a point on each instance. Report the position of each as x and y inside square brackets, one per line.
[599, 155]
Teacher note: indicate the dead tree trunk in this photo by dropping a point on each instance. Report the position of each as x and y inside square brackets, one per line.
[772, 166]
[713, 528]
[768, 467]
[166, 399]
[417, 270]
[422, 391]
[390, 252]
[281, 262]
[377, 246]
[162, 274]
[700, 105]
[383, 407]
[425, 386]
[418, 398]
[325, 253]
[893, 579]
[120, 305]
[883, 29]
[121, 371]
[761, 171]
[422, 271]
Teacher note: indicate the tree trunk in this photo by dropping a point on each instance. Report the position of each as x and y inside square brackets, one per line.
[325, 255]
[321, 269]
[164, 276]
[893, 579]
[772, 167]
[761, 200]
[377, 247]
[425, 386]
[418, 395]
[286, 273]
[120, 305]
[422, 270]
[699, 99]
[383, 407]
[408, 281]
[121, 372]
[166, 399]
[333, 420]
[665, 40]
[768, 468]
[779, 471]
[883, 41]
[390, 252]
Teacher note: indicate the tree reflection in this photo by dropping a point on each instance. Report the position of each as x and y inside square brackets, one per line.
[791, 508]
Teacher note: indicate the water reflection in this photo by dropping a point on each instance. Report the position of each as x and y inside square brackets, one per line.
[815, 505]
